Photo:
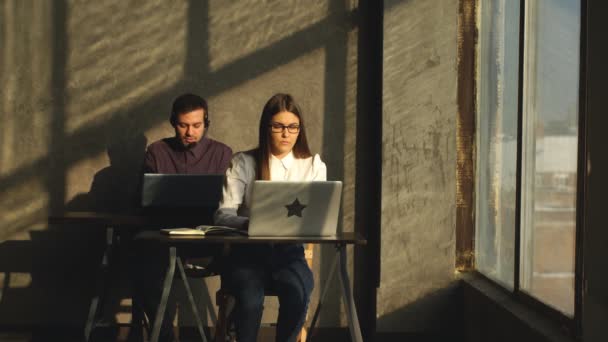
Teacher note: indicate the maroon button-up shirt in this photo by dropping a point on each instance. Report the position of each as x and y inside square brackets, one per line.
[170, 156]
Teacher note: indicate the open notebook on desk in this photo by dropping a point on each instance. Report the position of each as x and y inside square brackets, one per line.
[203, 230]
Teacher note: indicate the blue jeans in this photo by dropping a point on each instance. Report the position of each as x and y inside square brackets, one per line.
[280, 268]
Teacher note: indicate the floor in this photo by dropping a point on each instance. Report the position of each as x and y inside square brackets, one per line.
[109, 335]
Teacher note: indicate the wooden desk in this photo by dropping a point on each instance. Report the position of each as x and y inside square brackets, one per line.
[129, 221]
[137, 218]
[117, 225]
[340, 241]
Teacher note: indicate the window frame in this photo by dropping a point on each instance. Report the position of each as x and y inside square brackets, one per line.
[465, 223]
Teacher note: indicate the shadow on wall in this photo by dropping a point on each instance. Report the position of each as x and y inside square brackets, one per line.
[115, 188]
[82, 105]
[52, 276]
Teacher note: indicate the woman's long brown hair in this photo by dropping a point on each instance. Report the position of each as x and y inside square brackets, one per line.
[277, 104]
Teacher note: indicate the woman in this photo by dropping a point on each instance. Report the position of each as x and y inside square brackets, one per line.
[282, 154]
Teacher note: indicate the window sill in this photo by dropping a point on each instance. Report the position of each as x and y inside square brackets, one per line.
[491, 314]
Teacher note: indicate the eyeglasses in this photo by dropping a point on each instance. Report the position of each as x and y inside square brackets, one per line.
[276, 127]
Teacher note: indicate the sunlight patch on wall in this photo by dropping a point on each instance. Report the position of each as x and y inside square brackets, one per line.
[418, 156]
[15, 280]
[350, 129]
[164, 130]
[120, 54]
[238, 109]
[239, 28]
[21, 206]
[87, 166]
[25, 78]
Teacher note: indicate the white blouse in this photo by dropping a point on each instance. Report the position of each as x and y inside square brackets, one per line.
[233, 210]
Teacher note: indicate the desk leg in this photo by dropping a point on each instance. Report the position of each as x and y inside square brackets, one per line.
[330, 276]
[100, 286]
[91, 318]
[160, 312]
[349, 301]
[199, 323]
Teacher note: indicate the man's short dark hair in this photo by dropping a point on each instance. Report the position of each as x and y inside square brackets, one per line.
[185, 104]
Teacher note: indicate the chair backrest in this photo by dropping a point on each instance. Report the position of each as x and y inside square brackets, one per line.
[308, 253]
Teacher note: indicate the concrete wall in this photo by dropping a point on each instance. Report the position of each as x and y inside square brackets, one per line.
[417, 292]
[86, 86]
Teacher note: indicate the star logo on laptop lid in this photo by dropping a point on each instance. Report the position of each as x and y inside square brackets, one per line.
[295, 208]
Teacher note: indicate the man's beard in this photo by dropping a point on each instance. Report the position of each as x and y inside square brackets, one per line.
[190, 145]
[186, 145]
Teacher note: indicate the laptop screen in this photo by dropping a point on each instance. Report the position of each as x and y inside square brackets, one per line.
[281, 208]
[181, 190]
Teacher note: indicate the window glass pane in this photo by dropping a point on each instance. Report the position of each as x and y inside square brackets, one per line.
[549, 151]
[497, 139]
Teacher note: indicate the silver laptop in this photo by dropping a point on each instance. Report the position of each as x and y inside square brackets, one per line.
[295, 208]
[181, 190]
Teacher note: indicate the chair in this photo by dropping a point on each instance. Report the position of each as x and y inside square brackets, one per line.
[224, 331]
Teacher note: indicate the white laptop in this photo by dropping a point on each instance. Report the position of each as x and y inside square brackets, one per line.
[282, 209]
[181, 190]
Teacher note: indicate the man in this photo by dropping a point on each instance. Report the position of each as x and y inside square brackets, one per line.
[188, 152]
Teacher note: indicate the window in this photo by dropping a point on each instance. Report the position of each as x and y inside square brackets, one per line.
[497, 139]
[549, 151]
[543, 124]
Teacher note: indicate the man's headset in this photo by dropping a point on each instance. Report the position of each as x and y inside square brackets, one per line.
[173, 118]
